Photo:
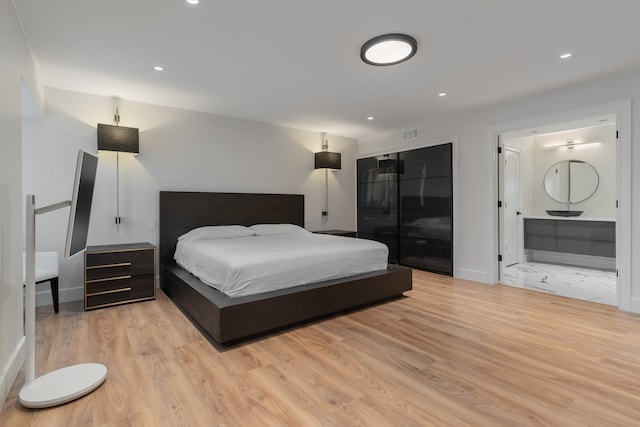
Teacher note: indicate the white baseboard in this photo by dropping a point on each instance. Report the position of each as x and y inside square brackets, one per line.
[577, 260]
[474, 275]
[9, 374]
[43, 297]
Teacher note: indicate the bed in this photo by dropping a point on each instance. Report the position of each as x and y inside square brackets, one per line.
[231, 319]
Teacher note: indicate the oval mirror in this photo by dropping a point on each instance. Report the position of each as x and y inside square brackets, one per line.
[571, 181]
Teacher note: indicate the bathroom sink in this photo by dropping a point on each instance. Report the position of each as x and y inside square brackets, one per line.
[565, 213]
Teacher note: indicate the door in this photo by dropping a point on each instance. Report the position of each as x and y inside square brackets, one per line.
[378, 201]
[426, 208]
[512, 215]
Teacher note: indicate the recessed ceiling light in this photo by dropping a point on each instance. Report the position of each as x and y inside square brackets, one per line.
[370, 118]
[565, 55]
[158, 68]
[388, 49]
[193, 1]
[442, 94]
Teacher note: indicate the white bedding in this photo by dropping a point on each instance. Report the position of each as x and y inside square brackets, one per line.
[251, 265]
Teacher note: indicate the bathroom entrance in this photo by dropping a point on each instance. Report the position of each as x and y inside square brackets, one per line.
[558, 192]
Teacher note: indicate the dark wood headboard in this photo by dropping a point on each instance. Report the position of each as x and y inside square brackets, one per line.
[182, 211]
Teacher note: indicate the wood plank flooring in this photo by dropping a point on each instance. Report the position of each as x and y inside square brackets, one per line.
[451, 353]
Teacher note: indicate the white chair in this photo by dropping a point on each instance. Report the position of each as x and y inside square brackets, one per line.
[46, 271]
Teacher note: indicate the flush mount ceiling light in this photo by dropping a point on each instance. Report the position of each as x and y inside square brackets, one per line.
[388, 49]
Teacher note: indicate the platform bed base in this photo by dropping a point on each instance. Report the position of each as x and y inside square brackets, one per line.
[229, 320]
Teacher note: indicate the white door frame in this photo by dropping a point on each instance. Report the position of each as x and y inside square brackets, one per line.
[622, 111]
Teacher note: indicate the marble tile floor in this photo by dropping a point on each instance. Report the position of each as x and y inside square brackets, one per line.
[573, 282]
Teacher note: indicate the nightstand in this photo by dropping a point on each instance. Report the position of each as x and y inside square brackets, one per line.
[119, 274]
[343, 233]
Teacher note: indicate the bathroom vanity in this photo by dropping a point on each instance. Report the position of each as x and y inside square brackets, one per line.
[576, 235]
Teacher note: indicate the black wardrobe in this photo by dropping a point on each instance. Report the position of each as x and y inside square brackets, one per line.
[405, 200]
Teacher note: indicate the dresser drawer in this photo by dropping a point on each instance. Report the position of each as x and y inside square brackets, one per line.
[138, 261]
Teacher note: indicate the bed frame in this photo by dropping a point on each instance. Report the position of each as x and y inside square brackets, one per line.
[229, 320]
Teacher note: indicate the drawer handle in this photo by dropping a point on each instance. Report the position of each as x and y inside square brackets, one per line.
[106, 279]
[122, 264]
[113, 291]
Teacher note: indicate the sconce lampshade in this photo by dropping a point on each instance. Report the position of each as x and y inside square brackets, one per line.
[118, 138]
[328, 160]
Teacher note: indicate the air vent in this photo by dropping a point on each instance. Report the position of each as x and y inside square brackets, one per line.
[410, 135]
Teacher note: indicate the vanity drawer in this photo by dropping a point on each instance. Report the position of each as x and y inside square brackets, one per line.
[589, 230]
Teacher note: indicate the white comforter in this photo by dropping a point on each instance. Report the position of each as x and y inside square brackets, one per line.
[251, 265]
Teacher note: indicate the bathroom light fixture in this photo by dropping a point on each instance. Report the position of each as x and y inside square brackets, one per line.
[327, 160]
[370, 118]
[158, 68]
[441, 94]
[120, 139]
[193, 1]
[570, 144]
[565, 55]
[388, 49]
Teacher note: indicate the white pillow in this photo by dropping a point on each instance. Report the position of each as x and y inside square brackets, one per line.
[217, 232]
[273, 229]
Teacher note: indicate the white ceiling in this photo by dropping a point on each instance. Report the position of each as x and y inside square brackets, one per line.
[296, 62]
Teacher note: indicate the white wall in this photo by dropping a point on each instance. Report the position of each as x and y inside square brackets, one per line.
[16, 69]
[179, 150]
[472, 128]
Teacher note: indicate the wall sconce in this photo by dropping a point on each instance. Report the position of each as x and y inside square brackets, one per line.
[327, 160]
[120, 139]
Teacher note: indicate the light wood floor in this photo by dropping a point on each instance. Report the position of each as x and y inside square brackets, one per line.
[452, 353]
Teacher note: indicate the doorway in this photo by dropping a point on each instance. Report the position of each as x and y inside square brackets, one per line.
[621, 110]
[557, 216]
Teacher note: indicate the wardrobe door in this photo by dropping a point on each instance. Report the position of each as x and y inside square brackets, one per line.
[426, 209]
[378, 201]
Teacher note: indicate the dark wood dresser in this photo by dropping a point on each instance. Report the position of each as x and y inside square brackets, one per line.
[119, 274]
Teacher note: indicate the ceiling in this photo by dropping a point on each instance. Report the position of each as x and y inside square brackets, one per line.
[296, 62]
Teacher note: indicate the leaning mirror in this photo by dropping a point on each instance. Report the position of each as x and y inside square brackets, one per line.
[571, 181]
